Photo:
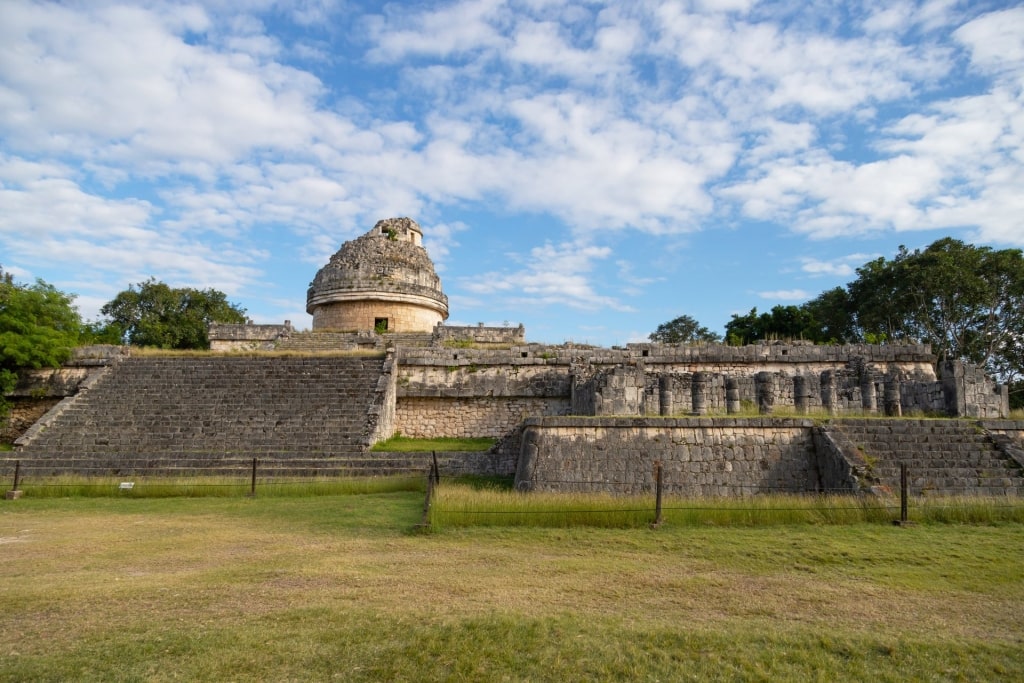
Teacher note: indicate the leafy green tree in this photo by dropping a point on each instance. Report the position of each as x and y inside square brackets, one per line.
[683, 330]
[743, 329]
[39, 326]
[782, 322]
[832, 320]
[155, 314]
[966, 301]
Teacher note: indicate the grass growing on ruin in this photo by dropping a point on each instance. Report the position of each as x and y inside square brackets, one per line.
[405, 444]
[71, 486]
[336, 588]
[456, 505]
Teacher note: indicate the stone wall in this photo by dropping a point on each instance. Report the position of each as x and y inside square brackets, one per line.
[745, 456]
[23, 413]
[426, 417]
[230, 337]
[446, 335]
[969, 392]
[410, 316]
[699, 456]
[857, 388]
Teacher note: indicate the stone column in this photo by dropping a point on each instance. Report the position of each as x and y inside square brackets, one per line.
[732, 396]
[829, 393]
[801, 395]
[868, 393]
[700, 392]
[764, 386]
[893, 404]
[665, 396]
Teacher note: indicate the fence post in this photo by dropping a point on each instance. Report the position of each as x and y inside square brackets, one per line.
[657, 495]
[252, 487]
[14, 493]
[903, 493]
[435, 471]
[425, 522]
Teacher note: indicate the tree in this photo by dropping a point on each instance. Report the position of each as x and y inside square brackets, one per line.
[154, 314]
[683, 330]
[831, 315]
[743, 329]
[966, 301]
[39, 326]
[783, 322]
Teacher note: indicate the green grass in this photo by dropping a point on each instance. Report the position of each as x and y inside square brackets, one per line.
[337, 588]
[456, 505]
[405, 444]
[70, 486]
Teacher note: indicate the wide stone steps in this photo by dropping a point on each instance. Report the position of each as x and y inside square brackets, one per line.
[237, 405]
[325, 342]
[943, 457]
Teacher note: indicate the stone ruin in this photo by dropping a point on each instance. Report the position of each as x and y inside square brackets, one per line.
[383, 281]
[565, 413]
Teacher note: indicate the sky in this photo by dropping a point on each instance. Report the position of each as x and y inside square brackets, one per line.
[589, 169]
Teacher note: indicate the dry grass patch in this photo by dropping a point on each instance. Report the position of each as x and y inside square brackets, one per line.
[338, 588]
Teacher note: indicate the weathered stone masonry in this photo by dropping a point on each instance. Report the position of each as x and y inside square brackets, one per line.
[700, 457]
[630, 406]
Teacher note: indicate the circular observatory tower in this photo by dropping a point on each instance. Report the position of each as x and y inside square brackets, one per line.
[382, 281]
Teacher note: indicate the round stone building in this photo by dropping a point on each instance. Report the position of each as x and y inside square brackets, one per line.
[382, 281]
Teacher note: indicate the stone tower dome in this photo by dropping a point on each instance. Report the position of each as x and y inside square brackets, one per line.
[381, 281]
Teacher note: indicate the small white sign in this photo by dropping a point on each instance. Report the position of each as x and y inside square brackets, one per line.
[127, 485]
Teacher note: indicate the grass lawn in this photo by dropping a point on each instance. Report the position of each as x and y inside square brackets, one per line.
[406, 444]
[338, 587]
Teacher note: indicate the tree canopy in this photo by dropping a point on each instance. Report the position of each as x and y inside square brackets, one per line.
[155, 314]
[39, 326]
[683, 330]
[966, 301]
[783, 322]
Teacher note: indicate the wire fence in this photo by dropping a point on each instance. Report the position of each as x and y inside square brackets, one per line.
[450, 503]
[452, 500]
[153, 477]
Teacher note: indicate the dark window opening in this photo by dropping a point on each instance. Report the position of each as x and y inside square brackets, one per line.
[380, 325]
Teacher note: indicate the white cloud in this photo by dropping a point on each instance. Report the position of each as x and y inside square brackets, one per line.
[190, 127]
[996, 40]
[459, 28]
[439, 239]
[785, 295]
[844, 266]
[119, 85]
[551, 275]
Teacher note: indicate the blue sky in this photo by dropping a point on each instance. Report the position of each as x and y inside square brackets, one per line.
[589, 169]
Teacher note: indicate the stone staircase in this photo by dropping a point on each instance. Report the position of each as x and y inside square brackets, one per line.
[407, 339]
[205, 415]
[329, 342]
[943, 457]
